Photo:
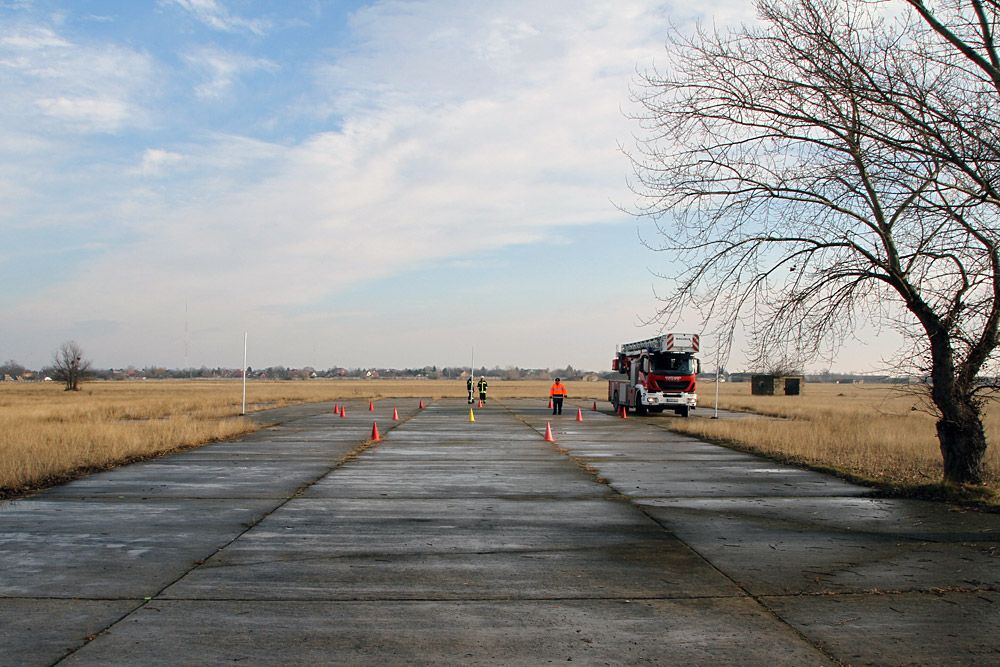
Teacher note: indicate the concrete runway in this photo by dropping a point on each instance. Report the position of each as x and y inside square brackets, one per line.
[462, 543]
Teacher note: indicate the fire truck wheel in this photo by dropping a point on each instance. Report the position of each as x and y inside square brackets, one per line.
[640, 409]
[614, 401]
[682, 411]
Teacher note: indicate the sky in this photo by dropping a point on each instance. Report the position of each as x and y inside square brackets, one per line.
[360, 184]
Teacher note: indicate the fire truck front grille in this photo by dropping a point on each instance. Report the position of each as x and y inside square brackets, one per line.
[673, 387]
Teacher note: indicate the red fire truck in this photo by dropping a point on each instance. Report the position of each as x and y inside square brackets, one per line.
[660, 375]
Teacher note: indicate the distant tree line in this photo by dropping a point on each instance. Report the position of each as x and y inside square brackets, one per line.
[13, 370]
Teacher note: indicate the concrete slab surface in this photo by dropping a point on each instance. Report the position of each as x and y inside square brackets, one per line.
[460, 542]
[43, 632]
[599, 632]
[197, 479]
[837, 544]
[109, 549]
[943, 628]
[445, 549]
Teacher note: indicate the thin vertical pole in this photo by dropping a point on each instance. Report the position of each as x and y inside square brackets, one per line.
[187, 343]
[244, 410]
[718, 367]
[716, 415]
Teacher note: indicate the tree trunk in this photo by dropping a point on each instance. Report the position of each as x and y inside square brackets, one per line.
[963, 440]
[960, 425]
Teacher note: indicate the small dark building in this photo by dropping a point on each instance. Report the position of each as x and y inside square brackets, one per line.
[769, 385]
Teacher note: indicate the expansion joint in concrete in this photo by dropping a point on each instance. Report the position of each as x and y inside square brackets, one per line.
[624, 599]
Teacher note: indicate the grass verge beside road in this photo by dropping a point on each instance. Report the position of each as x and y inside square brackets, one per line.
[878, 434]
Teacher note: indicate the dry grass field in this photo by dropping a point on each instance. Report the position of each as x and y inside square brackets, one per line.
[873, 432]
[869, 432]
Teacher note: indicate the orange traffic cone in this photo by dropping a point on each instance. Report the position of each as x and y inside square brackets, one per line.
[421, 404]
[371, 406]
[480, 402]
[579, 415]
[548, 432]
[624, 412]
[595, 407]
[336, 409]
[395, 415]
[550, 404]
[343, 413]
[375, 436]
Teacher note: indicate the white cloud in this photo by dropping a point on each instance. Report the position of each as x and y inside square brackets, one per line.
[32, 38]
[156, 160]
[81, 87]
[93, 113]
[222, 69]
[214, 15]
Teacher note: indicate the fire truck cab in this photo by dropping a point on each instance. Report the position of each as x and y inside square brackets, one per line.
[660, 374]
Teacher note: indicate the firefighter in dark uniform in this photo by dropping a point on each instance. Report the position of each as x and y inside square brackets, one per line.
[483, 386]
[468, 384]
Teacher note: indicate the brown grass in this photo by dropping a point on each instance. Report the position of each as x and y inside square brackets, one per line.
[50, 435]
[876, 433]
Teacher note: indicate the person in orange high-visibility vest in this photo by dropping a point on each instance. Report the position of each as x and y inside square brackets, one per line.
[557, 393]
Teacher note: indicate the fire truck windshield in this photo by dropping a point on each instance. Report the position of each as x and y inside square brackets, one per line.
[673, 364]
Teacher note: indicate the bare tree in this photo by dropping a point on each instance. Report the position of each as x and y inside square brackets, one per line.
[69, 366]
[832, 167]
[11, 368]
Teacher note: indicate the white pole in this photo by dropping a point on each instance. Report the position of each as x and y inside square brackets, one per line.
[244, 410]
[716, 415]
[718, 367]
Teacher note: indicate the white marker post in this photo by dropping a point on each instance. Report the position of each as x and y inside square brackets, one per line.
[244, 410]
[716, 415]
[718, 366]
